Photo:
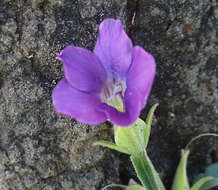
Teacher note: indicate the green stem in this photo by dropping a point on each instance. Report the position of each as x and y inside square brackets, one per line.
[146, 172]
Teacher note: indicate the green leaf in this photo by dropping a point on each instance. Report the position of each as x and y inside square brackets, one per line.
[212, 170]
[209, 184]
[148, 122]
[197, 185]
[146, 172]
[180, 181]
[199, 177]
[111, 146]
[131, 138]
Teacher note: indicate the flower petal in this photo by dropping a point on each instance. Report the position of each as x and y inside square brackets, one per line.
[139, 82]
[132, 110]
[83, 70]
[113, 47]
[141, 73]
[80, 105]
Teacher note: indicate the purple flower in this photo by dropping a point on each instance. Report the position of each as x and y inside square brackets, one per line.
[113, 83]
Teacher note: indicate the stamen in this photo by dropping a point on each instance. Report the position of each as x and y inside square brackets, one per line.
[116, 91]
[113, 94]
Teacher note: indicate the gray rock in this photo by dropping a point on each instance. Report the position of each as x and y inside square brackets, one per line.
[182, 36]
[41, 149]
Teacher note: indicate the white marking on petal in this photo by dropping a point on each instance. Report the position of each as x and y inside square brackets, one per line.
[113, 94]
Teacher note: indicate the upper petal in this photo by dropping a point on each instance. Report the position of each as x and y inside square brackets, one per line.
[79, 105]
[113, 47]
[83, 69]
[141, 73]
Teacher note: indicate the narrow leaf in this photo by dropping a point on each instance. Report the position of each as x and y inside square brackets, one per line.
[146, 172]
[197, 185]
[199, 177]
[180, 181]
[111, 146]
[148, 122]
[211, 171]
[209, 184]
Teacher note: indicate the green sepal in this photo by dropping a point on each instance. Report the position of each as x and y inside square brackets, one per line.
[180, 181]
[131, 138]
[111, 146]
[135, 138]
[146, 172]
[197, 185]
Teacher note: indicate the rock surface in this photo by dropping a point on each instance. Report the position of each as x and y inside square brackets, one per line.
[182, 36]
[40, 149]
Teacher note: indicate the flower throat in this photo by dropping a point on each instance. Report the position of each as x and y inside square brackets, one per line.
[113, 94]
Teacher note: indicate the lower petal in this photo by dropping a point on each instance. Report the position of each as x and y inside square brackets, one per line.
[132, 110]
[79, 105]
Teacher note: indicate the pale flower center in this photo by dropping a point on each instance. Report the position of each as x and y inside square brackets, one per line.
[113, 94]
